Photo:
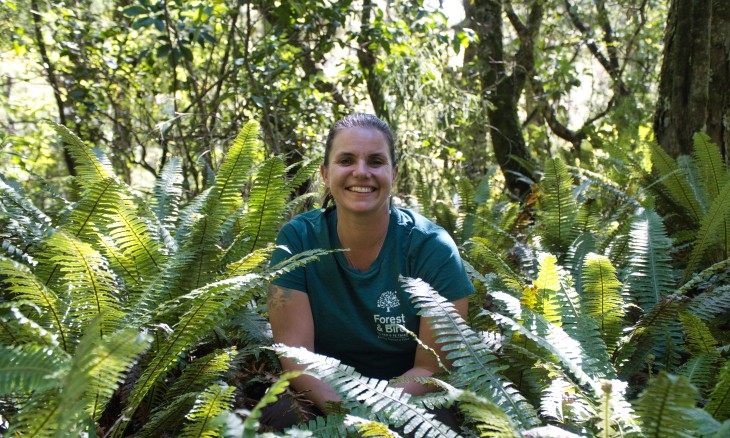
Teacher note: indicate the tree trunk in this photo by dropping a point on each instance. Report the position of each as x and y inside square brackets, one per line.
[693, 89]
[502, 91]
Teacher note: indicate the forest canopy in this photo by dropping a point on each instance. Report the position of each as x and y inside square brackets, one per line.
[576, 151]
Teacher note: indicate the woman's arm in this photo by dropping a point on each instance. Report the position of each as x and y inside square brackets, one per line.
[290, 316]
[425, 364]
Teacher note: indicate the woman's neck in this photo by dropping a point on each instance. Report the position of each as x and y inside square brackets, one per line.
[363, 237]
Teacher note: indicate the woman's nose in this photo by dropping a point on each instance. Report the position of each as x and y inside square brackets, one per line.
[361, 169]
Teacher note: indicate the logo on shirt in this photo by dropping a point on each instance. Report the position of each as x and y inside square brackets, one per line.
[388, 325]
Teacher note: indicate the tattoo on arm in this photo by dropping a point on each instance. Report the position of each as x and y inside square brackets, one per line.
[277, 296]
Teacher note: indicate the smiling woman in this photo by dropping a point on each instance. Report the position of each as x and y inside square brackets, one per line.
[350, 305]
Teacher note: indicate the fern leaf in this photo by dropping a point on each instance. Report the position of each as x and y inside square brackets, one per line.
[307, 169]
[559, 208]
[376, 394]
[718, 403]
[369, 428]
[251, 424]
[168, 193]
[481, 253]
[546, 287]
[650, 276]
[701, 370]
[474, 365]
[26, 286]
[213, 402]
[85, 275]
[710, 162]
[168, 417]
[91, 165]
[675, 181]
[708, 305]
[602, 298]
[30, 368]
[489, 418]
[202, 372]
[266, 205]
[699, 338]
[615, 415]
[134, 237]
[714, 223]
[664, 407]
[99, 201]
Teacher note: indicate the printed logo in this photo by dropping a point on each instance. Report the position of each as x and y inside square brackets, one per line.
[387, 326]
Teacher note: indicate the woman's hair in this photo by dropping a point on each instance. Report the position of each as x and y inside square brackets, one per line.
[357, 120]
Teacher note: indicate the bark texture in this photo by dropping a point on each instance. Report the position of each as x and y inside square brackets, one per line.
[694, 88]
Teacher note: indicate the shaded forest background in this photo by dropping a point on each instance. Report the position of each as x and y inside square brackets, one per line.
[577, 150]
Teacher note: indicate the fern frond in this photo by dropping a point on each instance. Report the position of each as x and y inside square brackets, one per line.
[713, 224]
[650, 275]
[85, 276]
[664, 407]
[26, 224]
[489, 418]
[99, 200]
[251, 424]
[546, 287]
[474, 365]
[307, 169]
[377, 395]
[21, 281]
[30, 368]
[675, 181]
[249, 262]
[614, 416]
[168, 417]
[602, 298]
[482, 254]
[709, 160]
[266, 206]
[369, 428]
[38, 417]
[701, 370]
[213, 402]
[90, 164]
[710, 304]
[718, 403]
[559, 208]
[135, 238]
[167, 194]
[201, 373]
[699, 338]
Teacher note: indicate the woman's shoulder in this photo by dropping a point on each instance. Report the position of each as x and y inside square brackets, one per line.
[308, 219]
[415, 222]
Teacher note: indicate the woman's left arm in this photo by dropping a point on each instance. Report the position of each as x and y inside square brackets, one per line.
[425, 364]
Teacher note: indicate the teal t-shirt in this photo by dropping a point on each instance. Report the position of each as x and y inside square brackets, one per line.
[356, 314]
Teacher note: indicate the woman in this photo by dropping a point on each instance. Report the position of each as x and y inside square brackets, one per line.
[348, 305]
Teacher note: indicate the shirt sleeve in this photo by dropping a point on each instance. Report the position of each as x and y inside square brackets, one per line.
[439, 264]
[289, 243]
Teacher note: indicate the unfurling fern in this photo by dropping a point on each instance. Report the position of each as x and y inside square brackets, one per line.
[377, 395]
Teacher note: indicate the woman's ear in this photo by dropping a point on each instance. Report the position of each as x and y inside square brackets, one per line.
[395, 174]
[323, 173]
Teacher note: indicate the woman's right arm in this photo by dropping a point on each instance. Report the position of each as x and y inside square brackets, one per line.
[291, 321]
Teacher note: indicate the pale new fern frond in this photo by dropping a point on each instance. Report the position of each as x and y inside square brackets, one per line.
[665, 407]
[545, 289]
[203, 418]
[249, 262]
[24, 285]
[391, 403]
[167, 194]
[30, 368]
[558, 207]
[369, 428]
[614, 414]
[601, 297]
[718, 403]
[713, 224]
[90, 164]
[475, 366]
[650, 275]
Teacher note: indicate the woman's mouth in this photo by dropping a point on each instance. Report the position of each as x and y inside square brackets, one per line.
[361, 189]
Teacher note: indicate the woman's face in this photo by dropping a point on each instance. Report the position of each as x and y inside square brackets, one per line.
[360, 173]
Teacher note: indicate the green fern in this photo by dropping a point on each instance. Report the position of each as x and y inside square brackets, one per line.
[475, 367]
[558, 207]
[710, 304]
[91, 165]
[718, 403]
[650, 275]
[714, 223]
[614, 414]
[369, 428]
[675, 181]
[167, 194]
[375, 394]
[601, 297]
[488, 260]
[710, 163]
[30, 368]
[203, 418]
[665, 407]
[545, 289]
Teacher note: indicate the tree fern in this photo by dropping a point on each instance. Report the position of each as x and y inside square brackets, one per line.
[475, 367]
[211, 403]
[601, 297]
[665, 407]
[718, 403]
[650, 275]
[376, 394]
[558, 207]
